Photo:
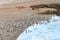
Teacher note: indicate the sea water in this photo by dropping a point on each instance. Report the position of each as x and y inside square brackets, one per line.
[43, 31]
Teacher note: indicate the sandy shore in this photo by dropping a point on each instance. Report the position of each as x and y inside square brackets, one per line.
[14, 21]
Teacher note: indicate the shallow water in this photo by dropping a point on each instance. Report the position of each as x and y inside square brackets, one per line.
[43, 31]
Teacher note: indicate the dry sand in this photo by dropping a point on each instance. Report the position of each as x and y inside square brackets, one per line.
[27, 3]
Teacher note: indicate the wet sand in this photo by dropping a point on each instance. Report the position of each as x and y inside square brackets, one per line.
[14, 21]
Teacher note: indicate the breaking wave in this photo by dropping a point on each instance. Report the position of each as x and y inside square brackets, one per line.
[43, 31]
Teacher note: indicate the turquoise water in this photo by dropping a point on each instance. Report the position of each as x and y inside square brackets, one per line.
[45, 31]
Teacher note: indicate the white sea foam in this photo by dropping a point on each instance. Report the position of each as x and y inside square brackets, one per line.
[48, 31]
